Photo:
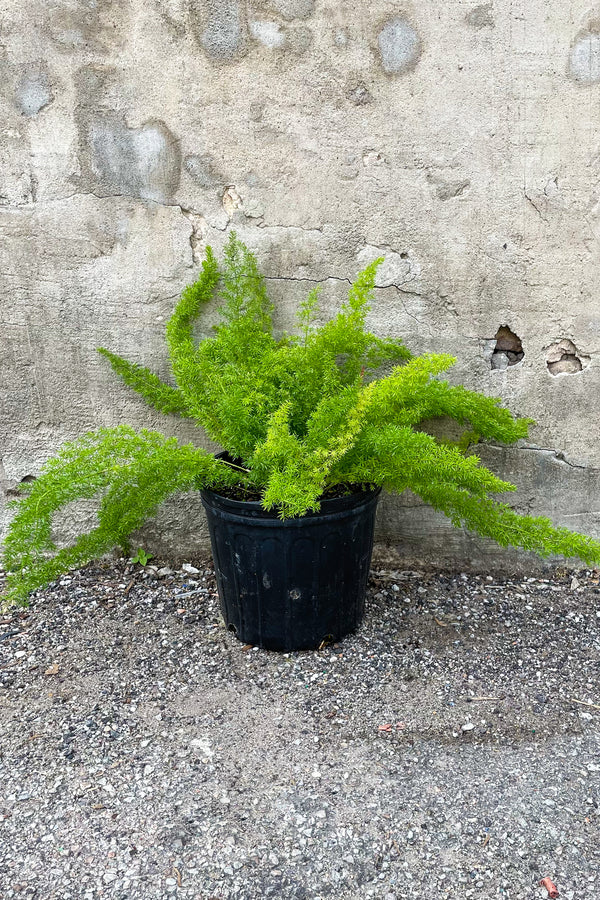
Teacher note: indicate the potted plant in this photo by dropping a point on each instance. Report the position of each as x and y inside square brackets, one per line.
[313, 427]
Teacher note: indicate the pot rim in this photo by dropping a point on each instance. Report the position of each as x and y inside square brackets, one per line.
[255, 509]
[328, 505]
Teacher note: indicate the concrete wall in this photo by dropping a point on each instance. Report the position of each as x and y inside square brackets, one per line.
[462, 141]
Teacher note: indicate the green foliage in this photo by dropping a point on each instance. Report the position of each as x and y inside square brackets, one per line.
[162, 396]
[141, 557]
[131, 473]
[298, 414]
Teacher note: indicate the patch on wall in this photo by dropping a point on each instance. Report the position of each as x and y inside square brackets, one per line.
[359, 94]
[399, 46]
[220, 28]
[481, 16]
[33, 91]
[269, 34]
[293, 9]
[142, 162]
[584, 56]
[88, 25]
[204, 169]
[448, 189]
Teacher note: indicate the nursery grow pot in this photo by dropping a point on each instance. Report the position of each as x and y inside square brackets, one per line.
[292, 584]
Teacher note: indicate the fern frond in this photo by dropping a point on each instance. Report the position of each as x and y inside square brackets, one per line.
[155, 392]
[506, 527]
[132, 471]
[397, 457]
[180, 339]
[244, 288]
[307, 312]
[484, 414]
[295, 470]
[344, 338]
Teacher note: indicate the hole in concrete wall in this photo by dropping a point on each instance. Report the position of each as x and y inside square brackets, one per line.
[508, 349]
[563, 358]
[14, 491]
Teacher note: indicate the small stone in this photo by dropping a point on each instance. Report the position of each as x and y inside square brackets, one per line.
[499, 360]
[468, 726]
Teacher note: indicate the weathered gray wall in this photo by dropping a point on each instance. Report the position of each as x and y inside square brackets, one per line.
[460, 140]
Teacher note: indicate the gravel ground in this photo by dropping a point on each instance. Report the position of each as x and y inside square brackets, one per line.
[146, 753]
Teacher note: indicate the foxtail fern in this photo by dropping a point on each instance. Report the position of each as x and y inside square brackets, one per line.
[298, 414]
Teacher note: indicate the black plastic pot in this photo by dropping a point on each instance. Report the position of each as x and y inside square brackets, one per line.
[292, 584]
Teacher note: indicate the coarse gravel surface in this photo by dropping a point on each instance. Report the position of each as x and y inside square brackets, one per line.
[438, 753]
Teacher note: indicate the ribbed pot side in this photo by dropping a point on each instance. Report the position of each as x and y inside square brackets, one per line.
[292, 584]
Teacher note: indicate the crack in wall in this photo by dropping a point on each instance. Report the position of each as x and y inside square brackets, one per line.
[195, 242]
[378, 287]
[557, 454]
[308, 280]
[591, 512]
[145, 201]
[197, 234]
[532, 202]
[348, 281]
[267, 226]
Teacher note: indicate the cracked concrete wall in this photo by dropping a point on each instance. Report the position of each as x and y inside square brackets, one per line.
[460, 140]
